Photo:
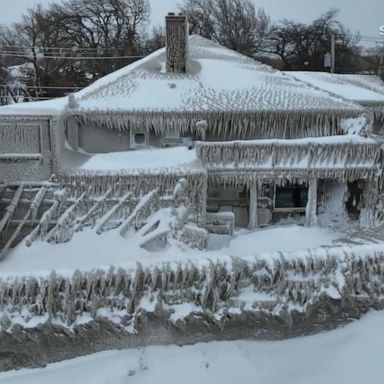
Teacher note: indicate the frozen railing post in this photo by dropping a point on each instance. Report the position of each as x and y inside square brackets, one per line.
[253, 205]
[311, 209]
[201, 129]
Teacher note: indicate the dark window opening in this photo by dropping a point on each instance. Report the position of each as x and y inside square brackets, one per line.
[291, 196]
[355, 191]
[139, 138]
[219, 197]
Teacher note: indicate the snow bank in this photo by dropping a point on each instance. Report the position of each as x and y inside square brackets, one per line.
[295, 281]
[167, 297]
[352, 355]
[283, 239]
[89, 251]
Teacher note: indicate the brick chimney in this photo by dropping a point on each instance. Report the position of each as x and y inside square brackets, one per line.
[176, 42]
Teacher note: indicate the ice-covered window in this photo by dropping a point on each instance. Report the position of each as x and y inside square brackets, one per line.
[172, 134]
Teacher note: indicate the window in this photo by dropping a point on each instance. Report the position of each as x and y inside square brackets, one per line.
[172, 134]
[292, 196]
[139, 139]
[226, 194]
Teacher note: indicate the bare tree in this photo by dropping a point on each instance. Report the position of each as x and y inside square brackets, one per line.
[51, 38]
[374, 58]
[233, 23]
[155, 40]
[28, 39]
[303, 46]
[104, 27]
[284, 39]
[380, 71]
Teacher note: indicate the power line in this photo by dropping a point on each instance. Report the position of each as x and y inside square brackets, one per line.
[42, 87]
[72, 49]
[52, 53]
[358, 35]
[76, 49]
[33, 98]
[56, 57]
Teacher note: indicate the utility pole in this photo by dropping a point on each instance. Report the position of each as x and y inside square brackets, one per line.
[381, 64]
[333, 52]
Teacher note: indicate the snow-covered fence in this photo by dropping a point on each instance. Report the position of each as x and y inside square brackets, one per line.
[63, 230]
[29, 215]
[124, 200]
[280, 284]
[141, 183]
[14, 92]
[55, 215]
[11, 208]
[27, 209]
[146, 206]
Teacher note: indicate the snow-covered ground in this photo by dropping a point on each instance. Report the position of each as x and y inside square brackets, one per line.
[281, 238]
[88, 250]
[350, 355]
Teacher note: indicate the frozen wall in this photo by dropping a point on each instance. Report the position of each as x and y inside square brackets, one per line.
[25, 150]
[94, 139]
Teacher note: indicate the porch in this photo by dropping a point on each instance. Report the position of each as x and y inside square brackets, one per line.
[265, 182]
[325, 202]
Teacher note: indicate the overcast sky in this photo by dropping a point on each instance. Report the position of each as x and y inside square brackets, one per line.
[358, 15]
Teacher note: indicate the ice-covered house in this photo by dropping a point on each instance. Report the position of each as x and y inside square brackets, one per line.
[254, 144]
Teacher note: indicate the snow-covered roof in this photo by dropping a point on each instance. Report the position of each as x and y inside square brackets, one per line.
[363, 89]
[152, 160]
[218, 79]
[235, 95]
[138, 171]
[35, 108]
